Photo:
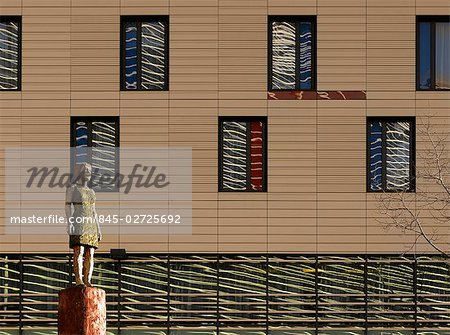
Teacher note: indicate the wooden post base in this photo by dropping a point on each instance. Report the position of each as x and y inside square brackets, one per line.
[82, 311]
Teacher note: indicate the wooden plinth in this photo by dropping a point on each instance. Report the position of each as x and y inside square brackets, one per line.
[82, 311]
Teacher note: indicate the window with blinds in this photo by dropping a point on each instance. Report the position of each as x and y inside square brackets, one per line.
[391, 154]
[10, 53]
[292, 53]
[433, 53]
[145, 53]
[242, 154]
[95, 140]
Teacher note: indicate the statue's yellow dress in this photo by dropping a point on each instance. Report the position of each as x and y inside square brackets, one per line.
[83, 200]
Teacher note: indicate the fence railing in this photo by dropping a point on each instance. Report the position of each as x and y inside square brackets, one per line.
[238, 294]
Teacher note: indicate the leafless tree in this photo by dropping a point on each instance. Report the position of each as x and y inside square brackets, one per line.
[412, 212]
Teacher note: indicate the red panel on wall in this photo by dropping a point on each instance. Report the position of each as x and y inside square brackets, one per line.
[256, 156]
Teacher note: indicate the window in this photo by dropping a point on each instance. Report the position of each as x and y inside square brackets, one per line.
[292, 53]
[145, 53]
[433, 53]
[242, 147]
[10, 53]
[96, 141]
[391, 154]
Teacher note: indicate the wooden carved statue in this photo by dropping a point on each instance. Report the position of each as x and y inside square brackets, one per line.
[84, 229]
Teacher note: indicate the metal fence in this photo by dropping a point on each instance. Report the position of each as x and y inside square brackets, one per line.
[238, 294]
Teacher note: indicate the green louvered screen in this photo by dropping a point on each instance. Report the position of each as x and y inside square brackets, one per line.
[238, 295]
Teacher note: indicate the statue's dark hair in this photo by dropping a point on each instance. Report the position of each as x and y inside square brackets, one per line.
[78, 171]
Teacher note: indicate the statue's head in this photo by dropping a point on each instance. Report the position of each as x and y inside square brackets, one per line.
[82, 172]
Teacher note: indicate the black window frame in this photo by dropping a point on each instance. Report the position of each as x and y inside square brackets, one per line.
[18, 20]
[412, 156]
[432, 19]
[297, 19]
[262, 119]
[89, 120]
[138, 19]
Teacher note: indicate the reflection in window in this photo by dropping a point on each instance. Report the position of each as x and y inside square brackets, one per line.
[192, 331]
[145, 53]
[443, 55]
[258, 294]
[283, 55]
[10, 30]
[391, 332]
[130, 55]
[433, 292]
[291, 53]
[193, 289]
[96, 141]
[390, 155]
[242, 290]
[398, 148]
[433, 39]
[140, 331]
[341, 332]
[390, 278]
[242, 154]
[292, 332]
[144, 290]
[292, 291]
[341, 293]
[390, 289]
[42, 280]
[9, 293]
[376, 156]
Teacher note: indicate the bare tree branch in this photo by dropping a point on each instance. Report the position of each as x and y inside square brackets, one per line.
[406, 215]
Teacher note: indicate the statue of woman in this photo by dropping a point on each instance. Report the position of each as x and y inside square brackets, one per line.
[84, 229]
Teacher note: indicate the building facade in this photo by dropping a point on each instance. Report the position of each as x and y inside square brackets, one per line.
[298, 112]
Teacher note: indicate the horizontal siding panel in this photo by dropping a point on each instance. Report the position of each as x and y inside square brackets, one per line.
[292, 10]
[46, 11]
[95, 11]
[11, 3]
[291, 3]
[96, 3]
[6, 10]
[147, 9]
[317, 149]
[344, 10]
[389, 3]
[45, 3]
[45, 27]
[391, 10]
[241, 10]
[243, 3]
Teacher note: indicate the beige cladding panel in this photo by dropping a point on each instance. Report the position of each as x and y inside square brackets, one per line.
[317, 200]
